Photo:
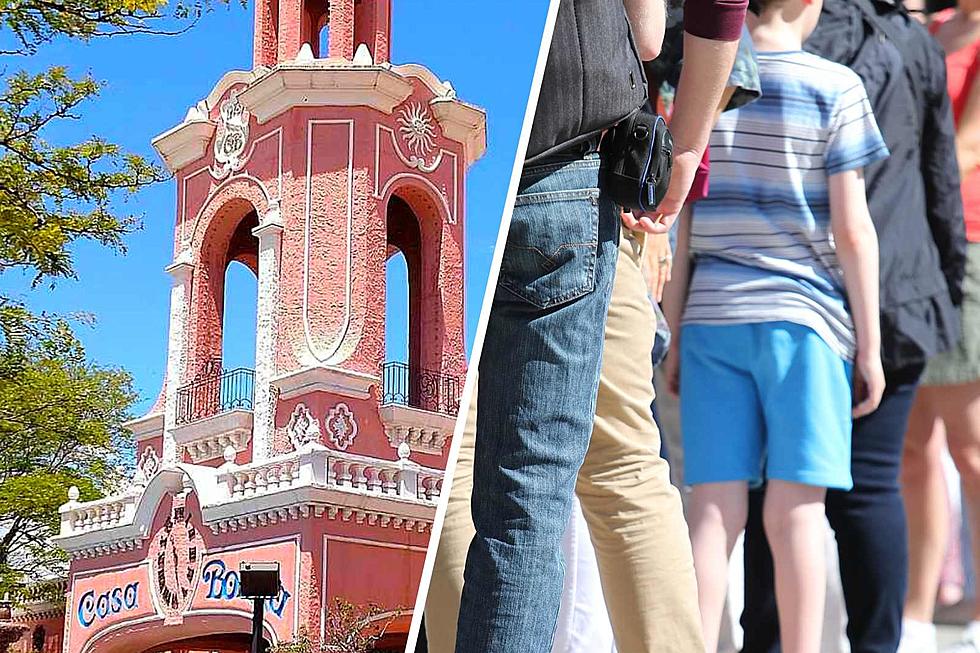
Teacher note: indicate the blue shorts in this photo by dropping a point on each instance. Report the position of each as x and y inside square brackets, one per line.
[764, 400]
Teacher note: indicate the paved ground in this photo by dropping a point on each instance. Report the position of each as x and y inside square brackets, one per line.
[950, 622]
[948, 635]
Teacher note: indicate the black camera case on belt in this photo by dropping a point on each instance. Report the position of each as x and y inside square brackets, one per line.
[638, 156]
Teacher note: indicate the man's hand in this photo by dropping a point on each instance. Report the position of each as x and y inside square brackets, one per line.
[660, 221]
[869, 384]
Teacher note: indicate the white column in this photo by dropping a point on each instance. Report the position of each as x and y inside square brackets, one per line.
[182, 272]
[269, 233]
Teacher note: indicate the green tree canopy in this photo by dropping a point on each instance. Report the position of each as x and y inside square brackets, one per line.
[53, 195]
[61, 422]
[61, 414]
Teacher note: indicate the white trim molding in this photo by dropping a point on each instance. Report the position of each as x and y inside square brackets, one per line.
[207, 439]
[378, 492]
[423, 431]
[323, 83]
[185, 143]
[146, 427]
[326, 378]
[463, 123]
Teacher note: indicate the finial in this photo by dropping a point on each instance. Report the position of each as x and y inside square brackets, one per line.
[404, 451]
[362, 57]
[305, 54]
[73, 493]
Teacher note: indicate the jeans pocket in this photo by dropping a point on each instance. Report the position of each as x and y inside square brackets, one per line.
[552, 246]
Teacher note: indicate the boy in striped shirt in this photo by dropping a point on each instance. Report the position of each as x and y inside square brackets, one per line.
[776, 292]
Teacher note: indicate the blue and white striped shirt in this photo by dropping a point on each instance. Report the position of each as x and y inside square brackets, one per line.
[762, 240]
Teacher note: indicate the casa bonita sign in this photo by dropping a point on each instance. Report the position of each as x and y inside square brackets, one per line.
[92, 608]
[222, 583]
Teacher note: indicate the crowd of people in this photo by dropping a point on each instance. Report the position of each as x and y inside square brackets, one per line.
[817, 263]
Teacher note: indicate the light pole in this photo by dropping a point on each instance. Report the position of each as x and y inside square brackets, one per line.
[259, 581]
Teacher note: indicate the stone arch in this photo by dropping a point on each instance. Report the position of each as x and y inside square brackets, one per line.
[417, 224]
[222, 234]
[150, 634]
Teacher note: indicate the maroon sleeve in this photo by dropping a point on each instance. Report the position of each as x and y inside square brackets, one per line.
[718, 20]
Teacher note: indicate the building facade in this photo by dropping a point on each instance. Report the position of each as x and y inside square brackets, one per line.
[312, 169]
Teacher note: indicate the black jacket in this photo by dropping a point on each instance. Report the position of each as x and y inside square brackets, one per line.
[913, 195]
[592, 79]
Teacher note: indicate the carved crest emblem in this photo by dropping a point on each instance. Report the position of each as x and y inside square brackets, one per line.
[341, 426]
[231, 136]
[176, 554]
[303, 428]
[149, 464]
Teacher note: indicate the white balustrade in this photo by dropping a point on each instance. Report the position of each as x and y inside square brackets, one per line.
[97, 515]
[261, 478]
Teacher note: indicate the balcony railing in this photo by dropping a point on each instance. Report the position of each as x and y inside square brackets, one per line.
[211, 395]
[419, 388]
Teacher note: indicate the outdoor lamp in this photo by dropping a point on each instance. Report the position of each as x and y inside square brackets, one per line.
[258, 581]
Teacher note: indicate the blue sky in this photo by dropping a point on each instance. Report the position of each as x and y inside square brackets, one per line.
[486, 49]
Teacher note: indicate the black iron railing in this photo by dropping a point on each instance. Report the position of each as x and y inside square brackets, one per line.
[213, 394]
[420, 388]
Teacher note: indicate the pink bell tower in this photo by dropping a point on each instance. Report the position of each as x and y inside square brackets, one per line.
[312, 169]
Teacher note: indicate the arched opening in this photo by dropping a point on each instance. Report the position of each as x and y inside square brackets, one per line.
[323, 42]
[224, 315]
[228, 632]
[222, 643]
[316, 27]
[415, 317]
[403, 370]
[396, 306]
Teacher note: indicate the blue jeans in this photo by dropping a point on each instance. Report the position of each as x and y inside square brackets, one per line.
[869, 523]
[539, 374]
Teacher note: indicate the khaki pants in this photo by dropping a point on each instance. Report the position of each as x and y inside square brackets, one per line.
[633, 512]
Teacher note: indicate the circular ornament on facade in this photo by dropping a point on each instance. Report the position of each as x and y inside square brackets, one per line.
[418, 133]
[175, 555]
[341, 426]
[231, 136]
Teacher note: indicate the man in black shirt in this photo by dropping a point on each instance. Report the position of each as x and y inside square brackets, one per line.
[547, 337]
[914, 199]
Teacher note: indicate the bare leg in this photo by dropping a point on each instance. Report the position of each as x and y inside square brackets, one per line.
[924, 491]
[959, 408]
[716, 515]
[793, 517]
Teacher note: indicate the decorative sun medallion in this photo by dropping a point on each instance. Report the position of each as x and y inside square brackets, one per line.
[417, 129]
[231, 136]
[176, 553]
[303, 428]
[341, 426]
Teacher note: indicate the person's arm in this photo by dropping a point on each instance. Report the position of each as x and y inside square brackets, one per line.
[968, 133]
[675, 298]
[941, 180]
[707, 64]
[648, 19]
[857, 251]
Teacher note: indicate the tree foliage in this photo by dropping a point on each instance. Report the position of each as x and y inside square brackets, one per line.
[61, 422]
[349, 628]
[61, 415]
[36, 22]
[53, 195]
